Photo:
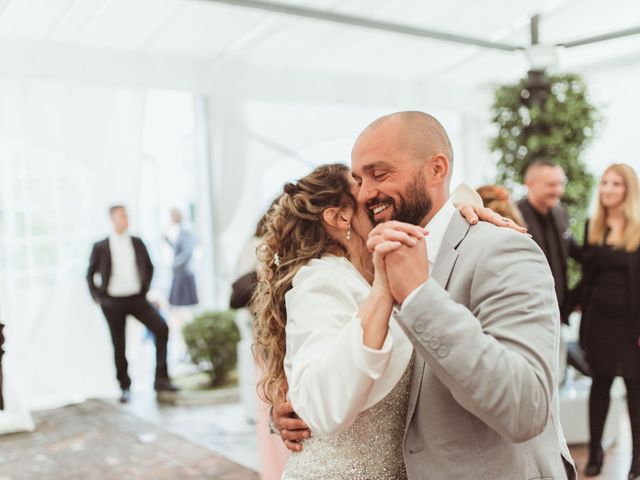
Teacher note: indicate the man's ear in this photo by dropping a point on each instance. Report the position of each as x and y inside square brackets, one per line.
[439, 167]
[337, 217]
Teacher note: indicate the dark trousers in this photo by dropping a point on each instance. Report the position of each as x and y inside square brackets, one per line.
[116, 309]
[599, 400]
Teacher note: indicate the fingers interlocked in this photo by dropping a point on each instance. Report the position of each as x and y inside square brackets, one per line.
[394, 231]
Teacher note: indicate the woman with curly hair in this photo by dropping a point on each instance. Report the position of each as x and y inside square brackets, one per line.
[324, 328]
[323, 323]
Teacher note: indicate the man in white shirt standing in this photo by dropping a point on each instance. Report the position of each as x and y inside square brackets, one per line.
[119, 277]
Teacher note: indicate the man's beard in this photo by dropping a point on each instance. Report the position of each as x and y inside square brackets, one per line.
[416, 204]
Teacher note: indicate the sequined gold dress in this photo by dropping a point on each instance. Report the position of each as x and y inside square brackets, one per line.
[369, 449]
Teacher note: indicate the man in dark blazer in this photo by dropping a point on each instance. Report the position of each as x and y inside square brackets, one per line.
[548, 223]
[119, 277]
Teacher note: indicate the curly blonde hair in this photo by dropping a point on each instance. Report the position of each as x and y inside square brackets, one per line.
[293, 234]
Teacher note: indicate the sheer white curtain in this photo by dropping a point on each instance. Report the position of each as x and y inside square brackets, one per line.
[67, 150]
[269, 142]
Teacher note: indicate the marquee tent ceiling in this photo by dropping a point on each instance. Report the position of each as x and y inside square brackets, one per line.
[209, 32]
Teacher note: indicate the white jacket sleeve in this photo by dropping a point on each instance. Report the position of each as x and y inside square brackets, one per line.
[329, 370]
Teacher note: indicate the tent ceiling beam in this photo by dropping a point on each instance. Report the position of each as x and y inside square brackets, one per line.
[601, 38]
[364, 22]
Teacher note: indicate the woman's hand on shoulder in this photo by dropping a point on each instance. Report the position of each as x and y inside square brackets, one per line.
[473, 213]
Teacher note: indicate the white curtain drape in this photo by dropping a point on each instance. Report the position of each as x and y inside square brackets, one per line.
[268, 127]
[67, 150]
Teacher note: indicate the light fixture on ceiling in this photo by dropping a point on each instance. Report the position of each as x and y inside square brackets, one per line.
[542, 57]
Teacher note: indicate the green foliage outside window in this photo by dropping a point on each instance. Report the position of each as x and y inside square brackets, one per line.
[547, 117]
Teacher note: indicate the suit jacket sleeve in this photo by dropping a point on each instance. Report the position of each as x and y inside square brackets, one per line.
[148, 265]
[329, 371]
[498, 358]
[575, 249]
[91, 271]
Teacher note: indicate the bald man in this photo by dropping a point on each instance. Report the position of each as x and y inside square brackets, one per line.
[548, 224]
[477, 303]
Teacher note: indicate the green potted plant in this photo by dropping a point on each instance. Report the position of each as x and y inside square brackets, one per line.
[211, 340]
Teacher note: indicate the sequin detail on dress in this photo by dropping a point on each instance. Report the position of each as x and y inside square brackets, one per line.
[371, 449]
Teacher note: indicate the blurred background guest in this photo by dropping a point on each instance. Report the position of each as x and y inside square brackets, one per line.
[548, 222]
[273, 453]
[119, 277]
[14, 414]
[610, 328]
[183, 286]
[498, 199]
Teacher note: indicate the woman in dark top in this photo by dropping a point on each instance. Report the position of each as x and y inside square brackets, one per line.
[610, 328]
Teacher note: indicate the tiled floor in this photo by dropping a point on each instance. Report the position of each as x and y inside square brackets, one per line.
[102, 440]
[221, 428]
[98, 441]
[617, 457]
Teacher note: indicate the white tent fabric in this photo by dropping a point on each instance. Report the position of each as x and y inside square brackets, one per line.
[60, 143]
[274, 95]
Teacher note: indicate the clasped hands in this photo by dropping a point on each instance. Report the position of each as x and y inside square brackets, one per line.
[400, 251]
[399, 257]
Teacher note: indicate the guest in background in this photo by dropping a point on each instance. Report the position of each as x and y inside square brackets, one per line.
[183, 286]
[119, 277]
[548, 223]
[14, 414]
[610, 328]
[273, 453]
[497, 198]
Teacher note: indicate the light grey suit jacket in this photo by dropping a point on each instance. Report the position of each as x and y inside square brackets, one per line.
[485, 328]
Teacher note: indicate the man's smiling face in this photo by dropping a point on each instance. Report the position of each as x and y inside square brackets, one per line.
[391, 180]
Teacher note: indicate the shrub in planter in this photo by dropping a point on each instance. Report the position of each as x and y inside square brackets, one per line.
[211, 340]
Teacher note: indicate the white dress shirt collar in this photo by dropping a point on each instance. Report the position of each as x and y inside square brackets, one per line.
[437, 227]
[120, 237]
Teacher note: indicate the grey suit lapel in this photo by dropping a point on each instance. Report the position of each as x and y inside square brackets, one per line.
[446, 259]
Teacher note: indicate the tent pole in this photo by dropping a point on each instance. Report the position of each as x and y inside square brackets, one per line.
[346, 19]
[601, 38]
